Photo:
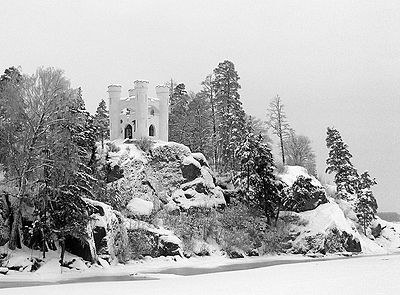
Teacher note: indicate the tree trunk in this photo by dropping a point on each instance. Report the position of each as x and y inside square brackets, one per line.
[15, 240]
[62, 245]
[277, 213]
[282, 150]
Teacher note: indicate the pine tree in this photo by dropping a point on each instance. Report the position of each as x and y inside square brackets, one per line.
[366, 205]
[102, 122]
[208, 92]
[230, 116]
[71, 178]
[256, 176]
[178, 117]
[200, 125]
[339, 162]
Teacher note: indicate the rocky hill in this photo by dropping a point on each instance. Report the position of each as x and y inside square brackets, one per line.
[170, 204]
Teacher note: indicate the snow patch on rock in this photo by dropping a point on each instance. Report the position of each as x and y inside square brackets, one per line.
[140, 207]
[291, 173]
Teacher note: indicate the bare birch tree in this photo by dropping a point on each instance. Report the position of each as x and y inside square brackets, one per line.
[277, 121]
[298, 152]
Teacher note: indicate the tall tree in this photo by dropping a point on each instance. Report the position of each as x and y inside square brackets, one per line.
[277, 121]
[71, 178]
[256, 176]
[31, 110]
[230, 114]
[200, 125]
[339, 162]
[102, 122]
[39, 153]
[208, 92]
[178, 117]
[299, 152]
[366, 205]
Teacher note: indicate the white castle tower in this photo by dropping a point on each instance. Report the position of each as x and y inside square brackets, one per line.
[138, 115]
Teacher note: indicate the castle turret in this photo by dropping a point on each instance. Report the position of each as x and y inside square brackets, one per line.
[142, 105]
[114, 95]
[163, 96]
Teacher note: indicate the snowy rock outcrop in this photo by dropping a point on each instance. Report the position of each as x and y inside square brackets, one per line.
[168, 175]
[324, 230]
[317, 193]
[291, 173]
[331, 226]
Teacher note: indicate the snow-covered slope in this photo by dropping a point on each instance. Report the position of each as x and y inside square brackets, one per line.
[333, 226]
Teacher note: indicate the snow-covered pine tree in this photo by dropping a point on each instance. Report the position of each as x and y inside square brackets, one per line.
[366, 205]
[178, 117]
[256, 177]
[101, 122]
[230, 115]
[208, 92]
[200, 125]
[339, 162]
[70, 177]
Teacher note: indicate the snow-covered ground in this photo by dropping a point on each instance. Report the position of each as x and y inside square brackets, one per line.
[363, 275]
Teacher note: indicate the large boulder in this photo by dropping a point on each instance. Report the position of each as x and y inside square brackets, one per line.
[152, 240]
[326, 229]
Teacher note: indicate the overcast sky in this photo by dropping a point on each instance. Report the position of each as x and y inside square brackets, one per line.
[334, 63]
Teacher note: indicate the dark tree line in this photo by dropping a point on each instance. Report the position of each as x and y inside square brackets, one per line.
[212, 121]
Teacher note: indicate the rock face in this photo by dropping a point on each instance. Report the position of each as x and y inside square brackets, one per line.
[169, 176]
[148, 240]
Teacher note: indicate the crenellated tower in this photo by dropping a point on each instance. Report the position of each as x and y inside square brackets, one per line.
[138, 115]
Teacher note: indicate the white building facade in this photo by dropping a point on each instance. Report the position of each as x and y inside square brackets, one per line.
[138, 115]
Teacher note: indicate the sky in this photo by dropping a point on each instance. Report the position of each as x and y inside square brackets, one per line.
[333, 63]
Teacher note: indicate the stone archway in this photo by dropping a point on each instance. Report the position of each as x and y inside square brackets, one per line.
[152, 130]
[128, 131]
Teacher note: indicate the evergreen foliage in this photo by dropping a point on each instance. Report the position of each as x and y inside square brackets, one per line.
[366, 205]
[301, 193]
[208, 93]
[101, 122]
[229, 114]
[339, 162]
[256, 176]
[178, 117]
[200, 125]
